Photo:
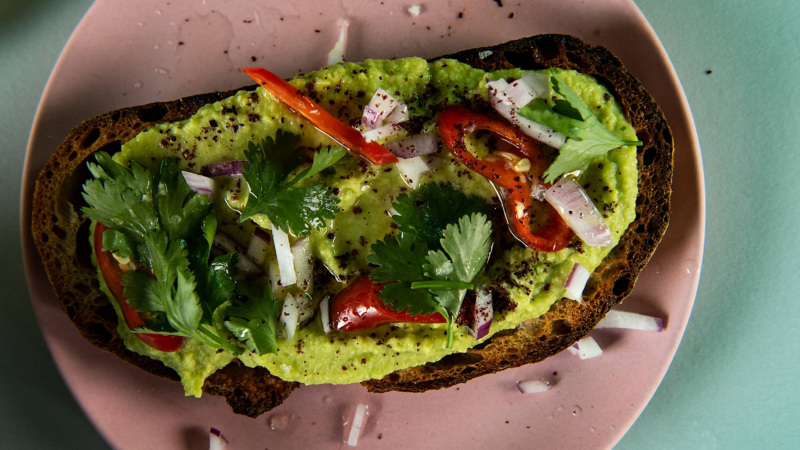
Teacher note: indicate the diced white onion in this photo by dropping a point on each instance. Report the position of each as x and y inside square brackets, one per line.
[538, 82]
[399, 115]
[359, 418]
[578, 211]
[378, 108]
[337, 54]
[303, 268]
[290, 317]
[257, 250]
[324, 314]
[412, 146]
[520, 93]
[483, 313]
[533, 386]
[503, 105]
[216, 441]
[274, 278]
[223, 244]
[631, 321]
[573, 349]
[588, 348]
[576, 282]
[411, 169]
[200, 184]
[414, 10]
[381, 132]
[285, 258]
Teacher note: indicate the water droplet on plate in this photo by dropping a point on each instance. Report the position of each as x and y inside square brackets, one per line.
[613, 427]
[156, 47]
[576, 410]
[162, 70]
[278, 422]
[158, 12]
[592, 429]
[138, 84]
[141, 24]
[550, 417]
[560, 408]
[327, 399]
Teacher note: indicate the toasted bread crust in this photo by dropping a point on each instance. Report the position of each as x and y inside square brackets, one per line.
[60, 232]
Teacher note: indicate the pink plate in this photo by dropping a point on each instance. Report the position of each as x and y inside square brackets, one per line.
[128, 53]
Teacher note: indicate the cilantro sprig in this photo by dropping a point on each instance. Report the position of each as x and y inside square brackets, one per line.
[288, 206]
[423, 278]
[159, 222]
[587, 138]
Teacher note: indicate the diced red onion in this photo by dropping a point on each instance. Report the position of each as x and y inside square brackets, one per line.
[631, 321]
[411, 169]
[259, 243]
[576, 282]
[533, 386]
[538, 82]
[224, 244]
[483, 313]
[503, 105]
[381, 132]
[290, 317]
[399, 115]
[283, 252]
[579, 212]
[409, 147]
[324, 314]
[588, 348]
[223, 168]
[216, 441]
[301, 251]
[378, 108]
[200, 184]
[359, 418]
[337, 53]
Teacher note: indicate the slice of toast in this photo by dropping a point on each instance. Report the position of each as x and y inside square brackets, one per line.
[62, 234]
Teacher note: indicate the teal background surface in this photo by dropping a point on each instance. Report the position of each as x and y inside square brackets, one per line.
[734, 381]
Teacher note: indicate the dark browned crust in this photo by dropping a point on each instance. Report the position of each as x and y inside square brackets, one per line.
[58, 227]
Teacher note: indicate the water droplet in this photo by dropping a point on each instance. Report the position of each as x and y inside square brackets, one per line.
[560, 408]
[156, 47]
[172, 24]
[550, 417]
[141, 24]
[158, 12]
[327, 400]
[576, 410]
[278, 422]
[613, 427]
[162, 70]
[138, 84]
[252, 44]
[592, 429]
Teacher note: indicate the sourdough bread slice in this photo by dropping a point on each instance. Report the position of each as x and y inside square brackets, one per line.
[61, 234]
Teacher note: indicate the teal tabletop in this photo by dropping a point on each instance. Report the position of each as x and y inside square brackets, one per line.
[733, 382]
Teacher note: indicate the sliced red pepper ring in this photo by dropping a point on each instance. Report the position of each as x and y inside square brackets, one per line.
[358, 307]
[112, 274]
[307, 108]
[455, 122]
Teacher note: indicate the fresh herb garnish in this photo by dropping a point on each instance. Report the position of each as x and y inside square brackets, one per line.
[288, 207]
[421, 280]
[587, 138]
[254, 321]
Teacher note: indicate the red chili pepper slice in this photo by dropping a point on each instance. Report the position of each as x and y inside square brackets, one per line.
[358, 307]
[346, 136]
[112, 274]
[455, 122]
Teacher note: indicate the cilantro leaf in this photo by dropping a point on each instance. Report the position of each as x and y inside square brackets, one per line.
[255, 320]
[427, 211]
[290, 208]
[587, 138]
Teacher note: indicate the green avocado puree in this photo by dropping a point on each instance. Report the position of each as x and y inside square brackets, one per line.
[534, 279]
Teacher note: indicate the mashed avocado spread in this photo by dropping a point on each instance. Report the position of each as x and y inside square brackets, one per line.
[533, 279]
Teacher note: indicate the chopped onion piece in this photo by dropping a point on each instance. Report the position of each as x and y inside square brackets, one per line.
[290, 317]
[520, 93]
[301, 250]
[411, 169]
[483, 313]
[573, 349]
[285, 258]
[216, 441]
[533, 386]
[414, 10]
[538, 82]
[503, 105]
[200, 184]
[579, 212]
[223, 168]
[631, 321]
[224, 244]
[588, 348]
[324, 314]
[378, 108]
[359, 418]
[337, 52]
[400, 114]
[274, 278]
[381, 132]
[259, 243]
[409, 147]
[576, 282]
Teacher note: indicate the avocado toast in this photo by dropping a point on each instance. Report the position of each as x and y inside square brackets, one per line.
[253, 390]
